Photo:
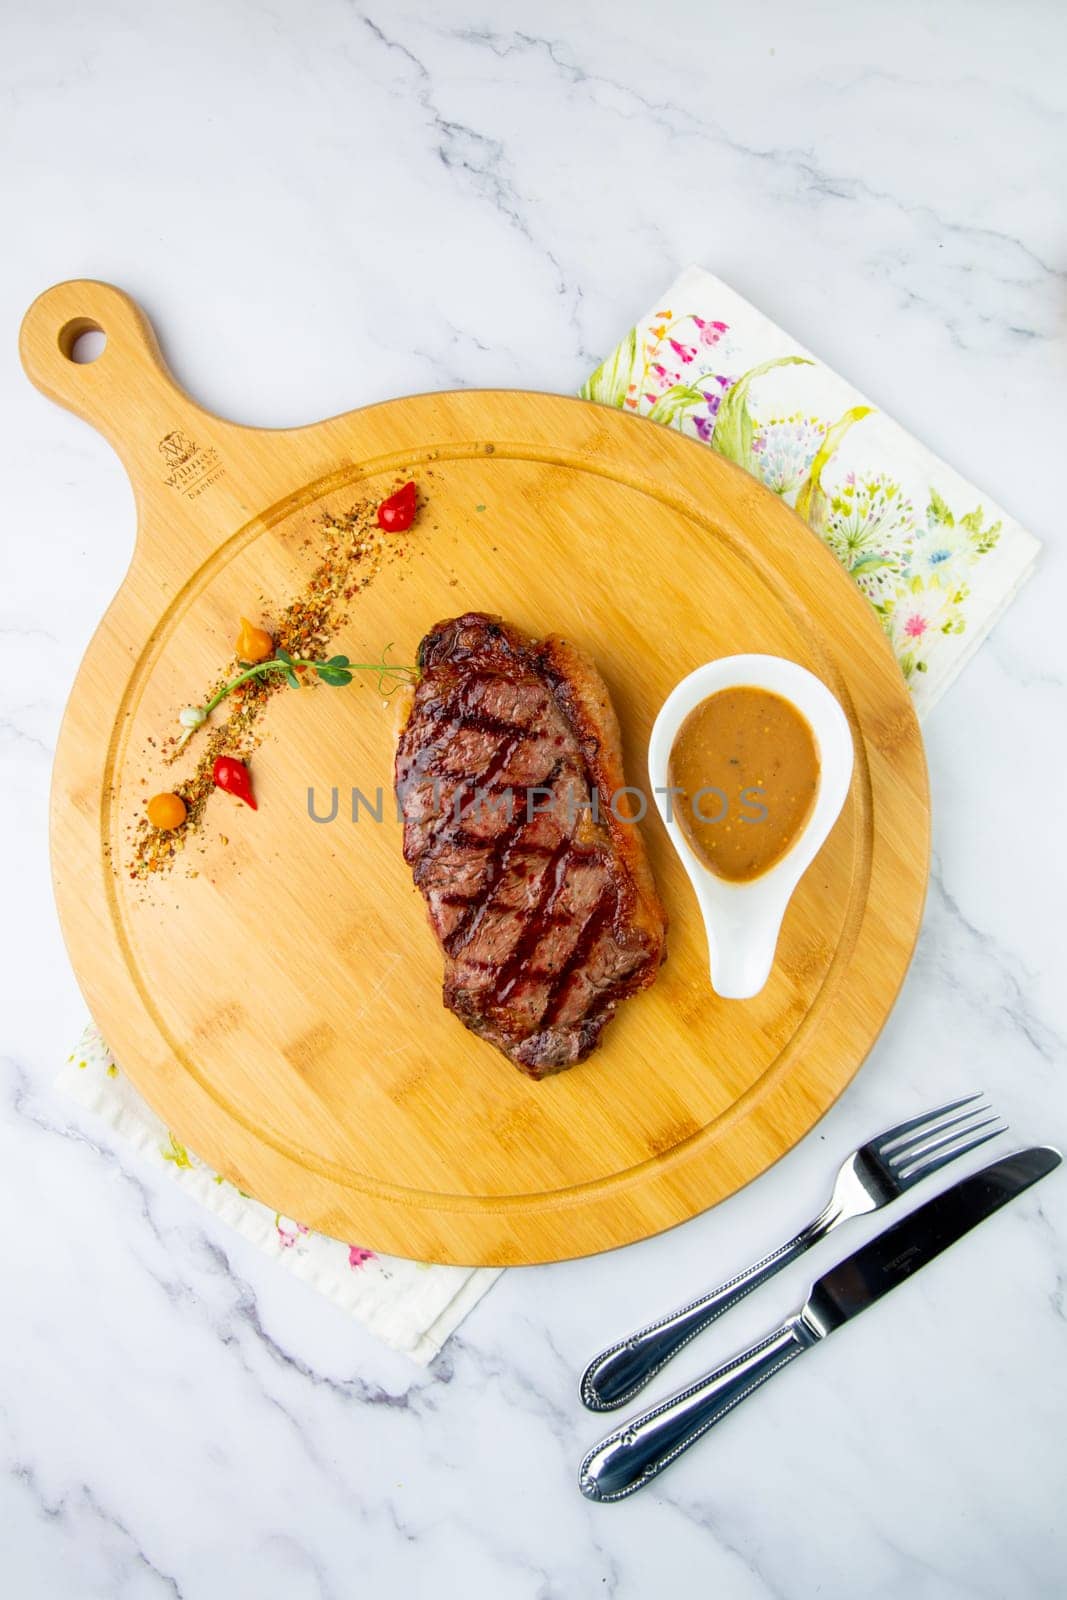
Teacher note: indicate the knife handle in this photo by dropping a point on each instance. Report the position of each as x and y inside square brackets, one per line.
[640, 1450]
[618, 1373]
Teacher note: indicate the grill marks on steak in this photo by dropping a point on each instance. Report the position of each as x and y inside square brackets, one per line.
[547, 918]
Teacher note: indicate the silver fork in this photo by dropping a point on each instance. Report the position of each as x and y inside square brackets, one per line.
[874, 1175]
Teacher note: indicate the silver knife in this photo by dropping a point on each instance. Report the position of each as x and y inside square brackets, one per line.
[638, 1451]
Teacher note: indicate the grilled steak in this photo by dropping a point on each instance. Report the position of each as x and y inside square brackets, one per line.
[542, 899]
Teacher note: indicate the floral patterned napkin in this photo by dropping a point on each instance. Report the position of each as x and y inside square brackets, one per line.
[409, 1305]
[938, 561]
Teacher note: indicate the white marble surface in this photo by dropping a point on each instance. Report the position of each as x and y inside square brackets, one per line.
[322, 204]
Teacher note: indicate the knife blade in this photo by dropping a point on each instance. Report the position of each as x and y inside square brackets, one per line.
[639, 1451]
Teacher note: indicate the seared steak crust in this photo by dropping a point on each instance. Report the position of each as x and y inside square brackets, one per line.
[547, 916]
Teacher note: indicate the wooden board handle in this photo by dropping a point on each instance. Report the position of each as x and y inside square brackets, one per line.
[109, 391]
[172, 449]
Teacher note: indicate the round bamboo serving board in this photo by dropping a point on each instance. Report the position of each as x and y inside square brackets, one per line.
[281, 1008]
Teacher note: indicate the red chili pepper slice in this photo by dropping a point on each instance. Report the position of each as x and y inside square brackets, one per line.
[398, 512]
[232, 776]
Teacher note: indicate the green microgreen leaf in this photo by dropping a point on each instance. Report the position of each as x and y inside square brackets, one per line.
[336, 671]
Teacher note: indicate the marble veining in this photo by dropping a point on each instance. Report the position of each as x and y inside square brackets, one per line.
[333, 203]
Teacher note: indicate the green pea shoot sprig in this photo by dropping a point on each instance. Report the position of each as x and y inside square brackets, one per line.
[336, 671]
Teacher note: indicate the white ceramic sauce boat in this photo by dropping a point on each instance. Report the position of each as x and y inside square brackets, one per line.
[743, 920]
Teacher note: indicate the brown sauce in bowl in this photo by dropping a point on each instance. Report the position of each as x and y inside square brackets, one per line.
[744, 773]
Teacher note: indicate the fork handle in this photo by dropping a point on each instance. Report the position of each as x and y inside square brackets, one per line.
[639, 1451]
[621, 1371]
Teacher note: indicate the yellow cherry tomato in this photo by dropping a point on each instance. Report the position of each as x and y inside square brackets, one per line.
[253, 644]
[166, 812]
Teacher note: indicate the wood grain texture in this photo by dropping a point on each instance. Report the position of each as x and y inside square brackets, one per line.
[281, 1010]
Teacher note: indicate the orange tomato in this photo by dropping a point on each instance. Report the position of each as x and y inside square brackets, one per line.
[253, 644]
[166, 812]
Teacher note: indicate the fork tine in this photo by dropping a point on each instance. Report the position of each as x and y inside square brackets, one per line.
[901, 1154]
[924, 1168]
[892, 1134]
[927, 1149]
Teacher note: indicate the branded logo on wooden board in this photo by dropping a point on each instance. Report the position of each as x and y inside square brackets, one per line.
[192, 468]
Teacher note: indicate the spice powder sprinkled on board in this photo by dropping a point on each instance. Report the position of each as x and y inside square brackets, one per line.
[353, 552]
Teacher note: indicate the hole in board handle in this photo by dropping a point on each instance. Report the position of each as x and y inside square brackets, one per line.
[82, 340]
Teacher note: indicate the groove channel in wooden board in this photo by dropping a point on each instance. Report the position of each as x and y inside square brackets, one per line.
[281, 1010]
